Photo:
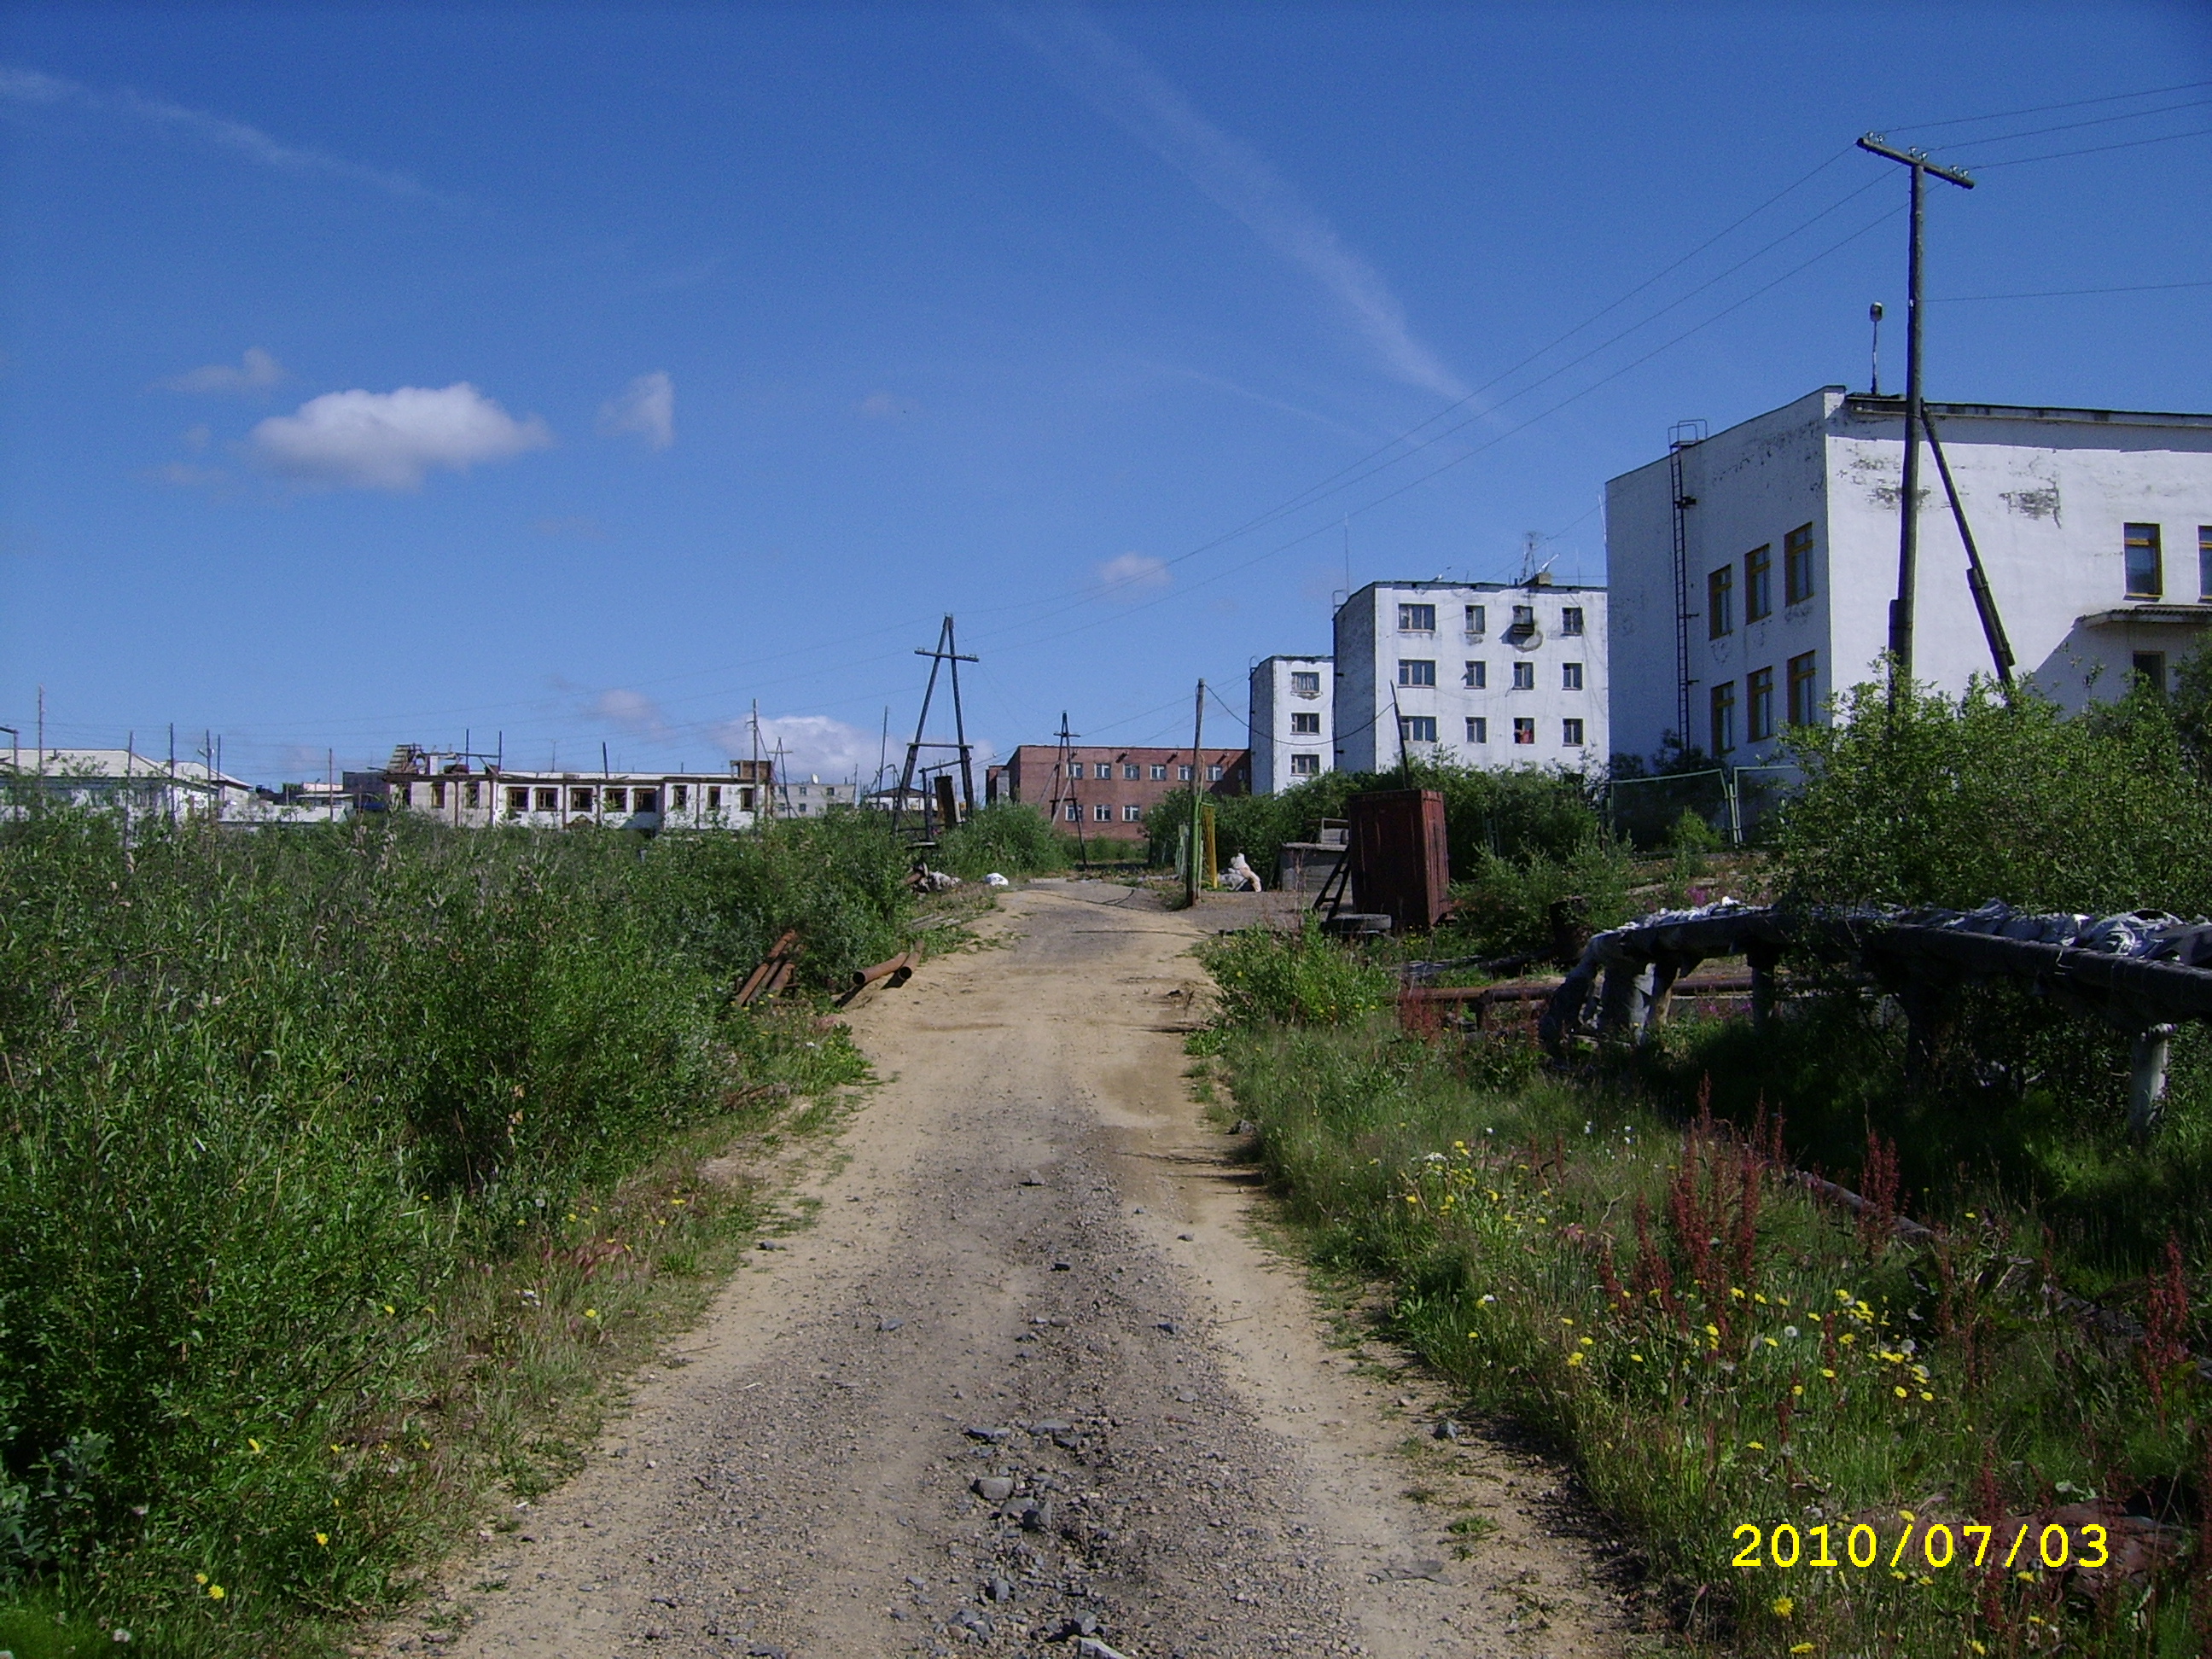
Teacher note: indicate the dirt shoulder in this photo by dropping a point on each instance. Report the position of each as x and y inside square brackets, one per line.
[1032, 1376]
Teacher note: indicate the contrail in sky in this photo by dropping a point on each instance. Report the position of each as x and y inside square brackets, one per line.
[1128, 88]
[28, 89]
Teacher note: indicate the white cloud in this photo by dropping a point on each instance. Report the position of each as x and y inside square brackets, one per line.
[813, 744]
[645, 406]
[1128, 573]
[30, 89]
[390, 440]
[256, 371]
[1238, 178]
[632, 710]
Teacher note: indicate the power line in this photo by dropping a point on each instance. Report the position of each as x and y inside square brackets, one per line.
[2044, 109]
[2094, 149]
[2064, 293]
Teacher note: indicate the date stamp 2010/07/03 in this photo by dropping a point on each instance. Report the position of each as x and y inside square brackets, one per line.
[1915, 1548]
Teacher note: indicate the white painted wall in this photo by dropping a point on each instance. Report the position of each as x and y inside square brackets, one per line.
[1371, 645]
[2047, 491]
[1276, 703]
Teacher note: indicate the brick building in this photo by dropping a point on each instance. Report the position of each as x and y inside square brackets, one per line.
[1108, 790]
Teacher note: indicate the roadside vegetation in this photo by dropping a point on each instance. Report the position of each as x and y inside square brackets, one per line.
[342, 1165]
[1010, 837]
[1625, 1258]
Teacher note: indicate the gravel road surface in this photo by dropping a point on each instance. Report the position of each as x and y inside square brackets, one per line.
[1031, 1385]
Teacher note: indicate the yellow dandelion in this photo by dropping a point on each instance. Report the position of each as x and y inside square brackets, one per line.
[1907, 1515]
[1783, 1607]
[252, 1444]
[215, 1592]
[388, 1309]
[1796, 1388]
[323, 1539]
[1924, 1394]
[1769, 1342]
[1807, 1647]
[1566, 1322]
[1637, 1358]
[1754, 1445]
[199, 1578]
[1712, 1330]
[1825, 1371]
[1900, 1394]
[1736, 1292]
[2024, 1578]
[1575, 1358]
[1590, 1342]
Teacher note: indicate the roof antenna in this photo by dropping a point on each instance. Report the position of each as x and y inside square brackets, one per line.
[1873, 316]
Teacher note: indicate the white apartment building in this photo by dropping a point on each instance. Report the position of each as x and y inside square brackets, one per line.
[1488, 673]
[809, 798]
[1289, 720]
[1756, 567]
[449, 788]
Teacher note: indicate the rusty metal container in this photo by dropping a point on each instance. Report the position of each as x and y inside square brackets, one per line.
[1400, 863]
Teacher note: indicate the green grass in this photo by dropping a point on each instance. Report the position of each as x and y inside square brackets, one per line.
[343, 1167]
[1711, 1347]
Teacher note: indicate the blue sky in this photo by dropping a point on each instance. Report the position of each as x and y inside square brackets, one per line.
[583, 373]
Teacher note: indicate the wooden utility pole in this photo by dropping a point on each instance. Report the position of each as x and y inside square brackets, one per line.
[1197, 768]
[1908, 538]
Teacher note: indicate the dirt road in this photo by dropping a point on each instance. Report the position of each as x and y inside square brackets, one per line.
[1028, 1384]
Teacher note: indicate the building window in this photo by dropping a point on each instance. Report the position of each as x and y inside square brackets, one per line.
[472, 794]
[1417, 728]
[1182, 774]
[548, 801]
[1305, 766]
[1758, 583]
[1417, 619]
[1570, 733]
[1478, 620]
[1131, 771]
[2150, 671]
[438, 793]
[2205, 561]
[1759, 699]
[580, 800]
[1413, 670]
[1524, 620]
[1720, 603]
[1133, 813]
[1214, 773]
[1477, 676]
[618, 799]
[1570, 677]
[713, 798]
[2146, 563]
[1524, 729]
[682, 794]
[1802, 696]
[1105, 768]
[1524, 676]
[1570, 620]
[1102, 812]
[1159, 773]
[1797, 565]
[1478, 729]
[517, 802]
[747, 803]
[1074, 813]
[1305, 726]
[1723, 718]
[647, 800]
[1305, 683]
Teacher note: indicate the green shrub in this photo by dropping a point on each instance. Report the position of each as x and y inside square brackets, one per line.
[1301, 979]
[276, 1098]
[1010, 837]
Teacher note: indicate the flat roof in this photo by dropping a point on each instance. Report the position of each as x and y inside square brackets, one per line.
[1864, 402]
[1440, 585]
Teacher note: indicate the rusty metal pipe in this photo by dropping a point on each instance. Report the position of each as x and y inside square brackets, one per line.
[897, 970]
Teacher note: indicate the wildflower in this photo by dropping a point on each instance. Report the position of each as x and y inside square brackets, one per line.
[1566, 1322]
[1807, 1647]
[323, 1539]
[1413, 1198]
[1843, 1296]
[215, 1592]
[1589, 1342]
[1576, 1358]
[1900, 1394]
[1755, 1446]
[1924, 1394]
[1790, 1331]
[1783, 1607]
[252, 1444]
[121, 1634]
[2024, 1578]
[1736, 1291]
[591, 1313]
[1847, 1338]
[1769, 1342]
[1637, 1358]
[199, 1578]
[1825, 1371]
[1969, 1216]
[387, 1310]
[1970, 1642]
[1907, 1515]
[1759, 1299]
[1796, 1388]
[340, 1450]
[1712, 1330]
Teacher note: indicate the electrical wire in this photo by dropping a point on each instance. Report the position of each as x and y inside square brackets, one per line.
[2095, 121]
[2094, 149]
[2064, 293]
[2044, 109]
